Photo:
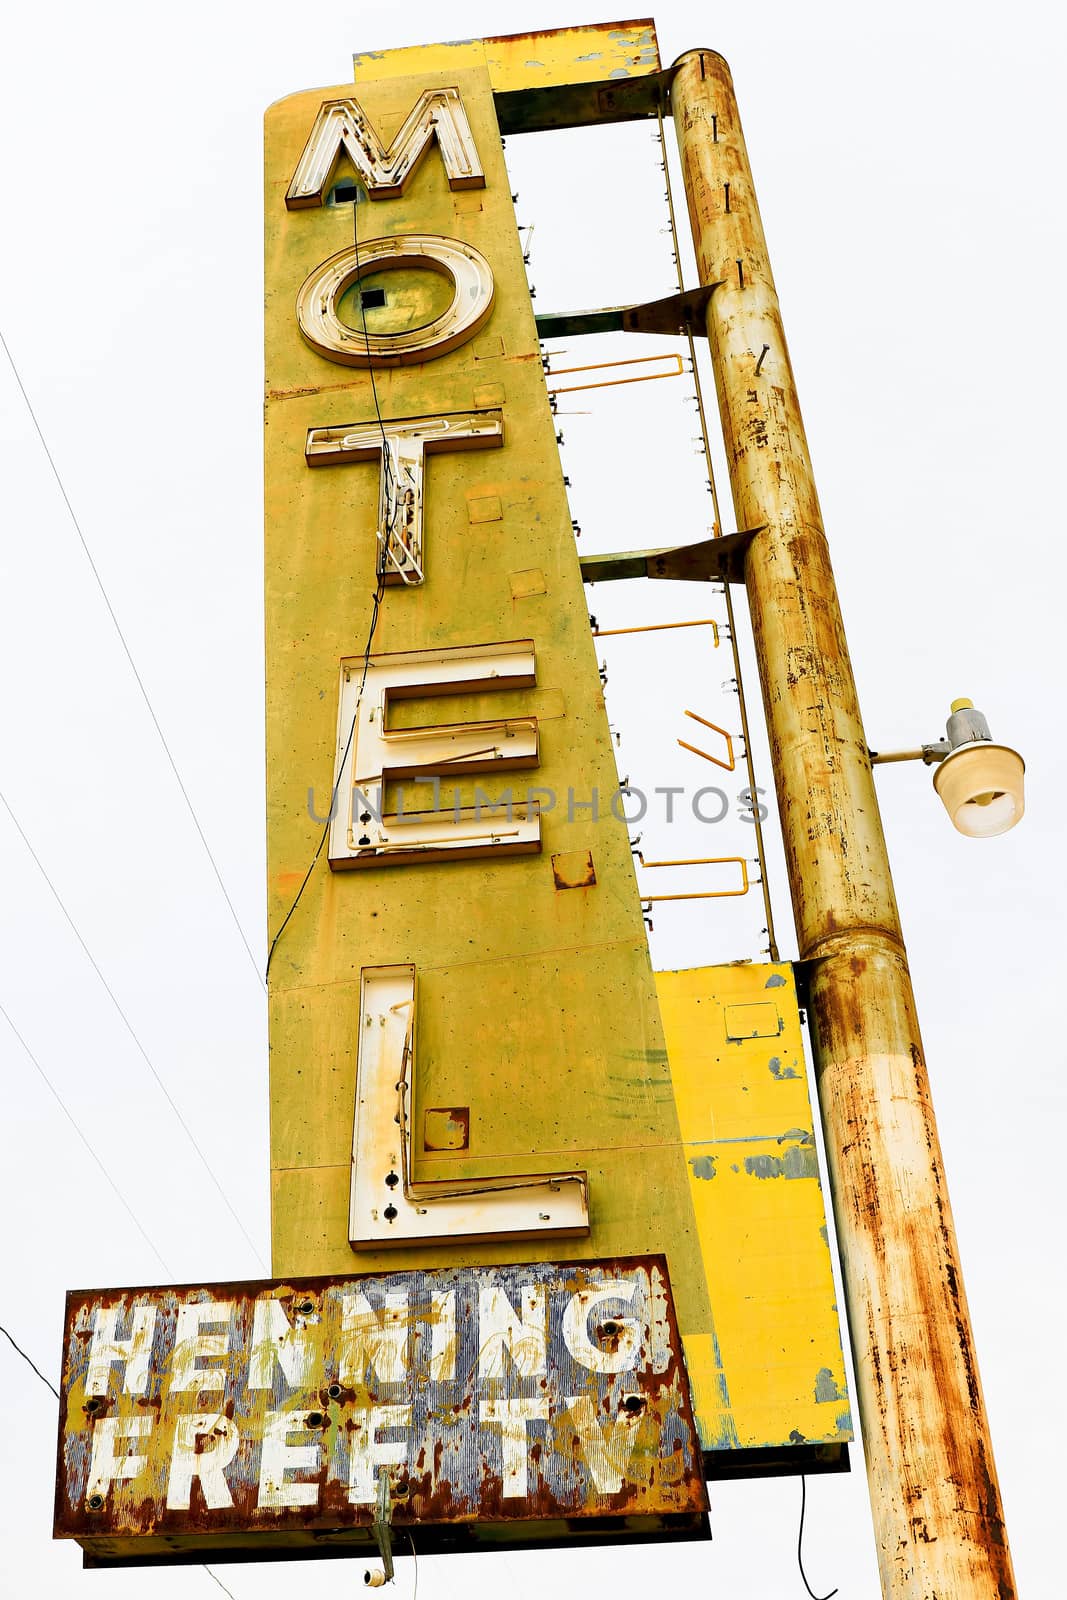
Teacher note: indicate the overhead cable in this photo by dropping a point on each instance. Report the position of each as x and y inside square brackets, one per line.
[112, 1185]
[133, 665]
[128, 1025]
[29, 1361]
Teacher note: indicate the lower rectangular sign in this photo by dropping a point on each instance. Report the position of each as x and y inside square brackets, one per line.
[501, 1405]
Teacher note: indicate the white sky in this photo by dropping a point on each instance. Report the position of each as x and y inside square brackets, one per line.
[909, 178]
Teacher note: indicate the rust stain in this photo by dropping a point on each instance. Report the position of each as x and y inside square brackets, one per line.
[573, 869]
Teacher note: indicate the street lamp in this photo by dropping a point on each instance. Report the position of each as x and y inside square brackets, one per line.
[980, 783]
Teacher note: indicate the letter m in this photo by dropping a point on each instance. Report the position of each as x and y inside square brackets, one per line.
[343, 125]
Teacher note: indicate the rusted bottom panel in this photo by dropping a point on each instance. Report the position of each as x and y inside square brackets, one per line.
[774, 1462]
[439, 1539]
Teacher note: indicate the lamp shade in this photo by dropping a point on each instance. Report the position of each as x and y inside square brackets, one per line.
[981, 788]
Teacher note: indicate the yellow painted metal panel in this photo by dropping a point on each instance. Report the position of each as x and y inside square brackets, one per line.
[587, 54]
[746, 1123]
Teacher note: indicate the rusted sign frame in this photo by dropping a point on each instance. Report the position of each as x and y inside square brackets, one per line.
[634, 1392]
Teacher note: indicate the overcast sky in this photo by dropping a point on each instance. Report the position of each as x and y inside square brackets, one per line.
[909, 172]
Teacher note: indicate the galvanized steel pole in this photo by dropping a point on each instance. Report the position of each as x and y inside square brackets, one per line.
[937, 1513]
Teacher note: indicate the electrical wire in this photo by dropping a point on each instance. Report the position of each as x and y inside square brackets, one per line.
[46, 1080]
[376, 607]
[129, 657]
[387, 465]
[130, 1030]
[29, 1361]
[800, 1543]
[216, 1579]
[387, 472]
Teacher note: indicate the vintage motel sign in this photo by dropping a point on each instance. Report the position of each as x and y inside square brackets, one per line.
[475, 1074]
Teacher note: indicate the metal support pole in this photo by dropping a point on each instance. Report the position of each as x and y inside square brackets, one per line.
[936, 1505]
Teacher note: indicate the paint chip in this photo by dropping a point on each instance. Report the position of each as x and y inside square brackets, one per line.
[798, 1162]
[826, 1387]
[446, 1128]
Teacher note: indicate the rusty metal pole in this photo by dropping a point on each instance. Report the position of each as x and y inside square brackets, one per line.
[937, 1514]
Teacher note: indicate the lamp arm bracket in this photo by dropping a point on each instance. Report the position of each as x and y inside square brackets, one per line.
[928, 754]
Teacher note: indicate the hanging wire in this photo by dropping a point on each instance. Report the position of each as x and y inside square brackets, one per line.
[216, 1579]
[133, 665]
[800, 1542]
[29, 1361]
[391, 499]
[387, 464]
[772, 943]
[340, 769]
[57, 897]
[46, 1080]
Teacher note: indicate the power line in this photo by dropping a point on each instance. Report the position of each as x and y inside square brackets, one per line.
[215, 1579]
[46, 1080]
[133, 664]
[28, 1360]
[340, 769]
[57, 897]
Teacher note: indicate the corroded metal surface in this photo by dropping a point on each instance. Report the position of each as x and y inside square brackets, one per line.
[251, 1416]
[937, 1510]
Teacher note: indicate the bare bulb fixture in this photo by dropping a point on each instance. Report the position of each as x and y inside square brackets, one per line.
[979, 783]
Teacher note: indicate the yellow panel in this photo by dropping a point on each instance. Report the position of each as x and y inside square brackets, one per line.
[737, 1065]
[528, 60]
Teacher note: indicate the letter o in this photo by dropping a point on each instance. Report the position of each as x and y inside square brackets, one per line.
[472, 300]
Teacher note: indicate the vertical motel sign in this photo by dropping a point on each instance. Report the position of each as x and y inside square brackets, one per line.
[548, 1235]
